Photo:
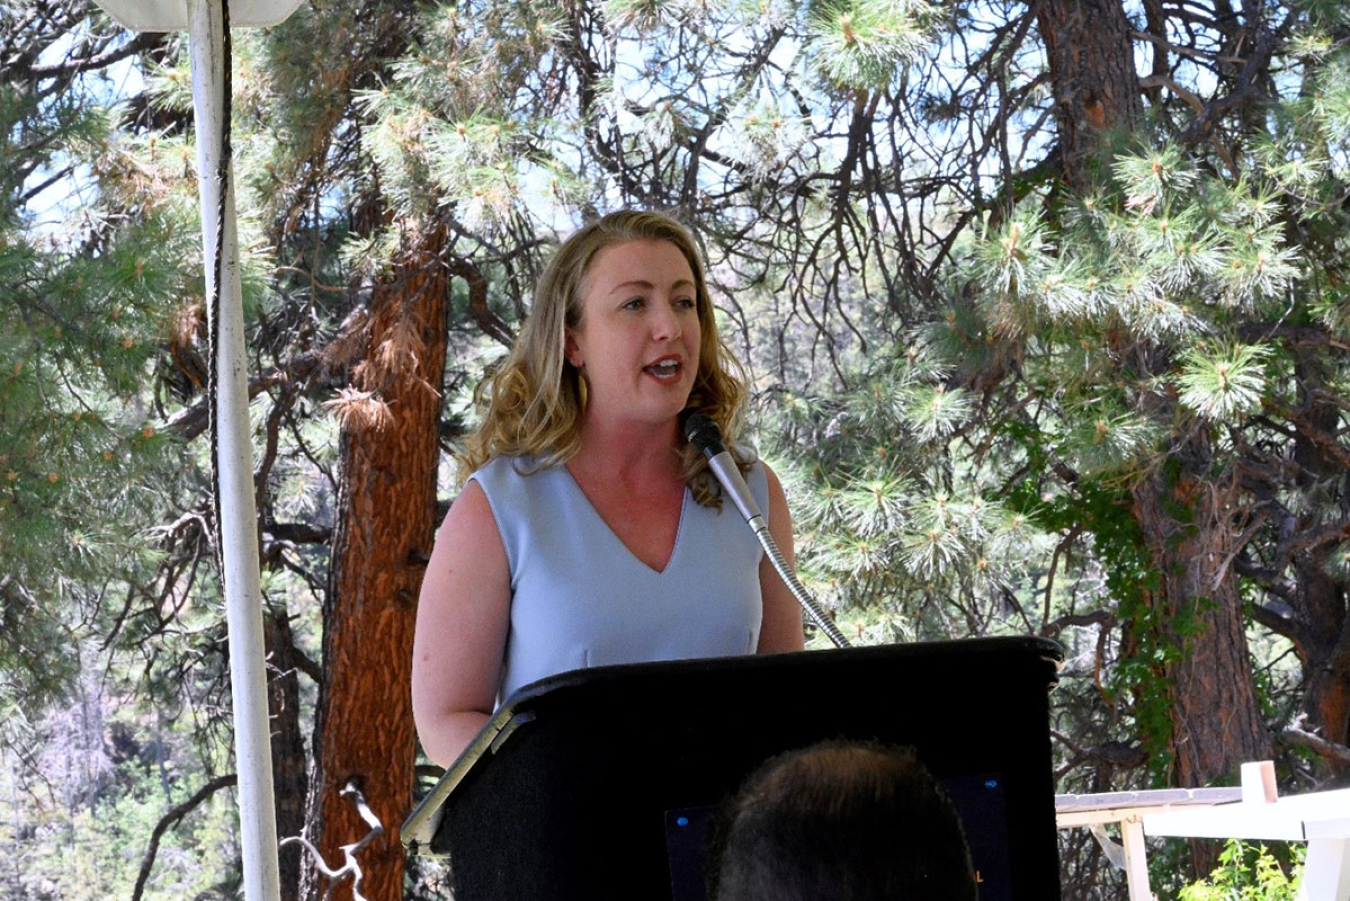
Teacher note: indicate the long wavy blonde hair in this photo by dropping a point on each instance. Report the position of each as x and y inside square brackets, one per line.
[532, 402]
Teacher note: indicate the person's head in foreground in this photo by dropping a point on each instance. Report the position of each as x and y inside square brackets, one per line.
[841, 822]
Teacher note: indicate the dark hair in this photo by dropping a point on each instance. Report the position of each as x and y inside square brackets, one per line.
[840, 822]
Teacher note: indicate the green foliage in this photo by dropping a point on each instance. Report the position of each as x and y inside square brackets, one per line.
[963, 367]
[1248, 872]
[1165, 255]
[895, 517]
[860, 44]
[81, 827]
[1136, 680]
[84, 468]
[1224, 384]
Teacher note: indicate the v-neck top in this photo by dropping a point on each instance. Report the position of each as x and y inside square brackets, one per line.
[580, 598]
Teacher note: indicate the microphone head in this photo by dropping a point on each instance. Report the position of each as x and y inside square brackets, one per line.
[703, 433]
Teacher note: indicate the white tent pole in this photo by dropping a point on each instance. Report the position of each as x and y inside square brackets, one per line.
[238, 512]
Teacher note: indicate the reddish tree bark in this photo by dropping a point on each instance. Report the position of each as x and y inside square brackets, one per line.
[388, 463]
[1091, 58]
[1321, 627]
[1190, 528]
[1323, 648]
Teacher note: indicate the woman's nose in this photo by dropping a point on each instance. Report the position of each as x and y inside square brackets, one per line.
[666, 324]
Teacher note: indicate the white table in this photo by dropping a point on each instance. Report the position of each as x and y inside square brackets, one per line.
[1253, 812]
[1322, 819]
[1127, 810]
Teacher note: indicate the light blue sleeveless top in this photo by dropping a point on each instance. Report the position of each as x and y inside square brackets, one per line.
[580, 598]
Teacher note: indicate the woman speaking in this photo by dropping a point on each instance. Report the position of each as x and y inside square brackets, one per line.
[589, 532]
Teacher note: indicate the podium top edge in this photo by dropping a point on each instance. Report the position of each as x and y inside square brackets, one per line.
[1028, 647]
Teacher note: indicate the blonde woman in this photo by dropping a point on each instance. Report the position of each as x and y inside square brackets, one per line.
[588, 532]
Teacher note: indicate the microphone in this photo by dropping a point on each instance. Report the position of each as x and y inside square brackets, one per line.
[705, 435]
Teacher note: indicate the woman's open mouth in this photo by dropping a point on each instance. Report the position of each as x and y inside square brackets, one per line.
[664, 370]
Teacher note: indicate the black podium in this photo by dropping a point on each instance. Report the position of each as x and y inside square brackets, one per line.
[596, 783]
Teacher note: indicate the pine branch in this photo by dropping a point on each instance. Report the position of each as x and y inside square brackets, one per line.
[1281, 622]
[298, 532]
[192, 421]
[141, 43]
[1295, 335]
[491, 324]
[1103, 618]
[43, 185]
[1064, 545]
[1248, 83]
[168, 820]
[306, 664]
[1296, 734]
[1307, 426]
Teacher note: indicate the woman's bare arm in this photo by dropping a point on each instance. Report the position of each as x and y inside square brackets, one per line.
[463, 614]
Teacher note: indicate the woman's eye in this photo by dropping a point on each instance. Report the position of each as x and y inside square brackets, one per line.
[686, 302]
[634, 304]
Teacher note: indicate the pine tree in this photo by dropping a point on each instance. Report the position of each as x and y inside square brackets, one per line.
[1043, 344]
[91, 266]
[1171, 294]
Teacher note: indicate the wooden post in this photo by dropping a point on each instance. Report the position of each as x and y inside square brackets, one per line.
[1136, 859]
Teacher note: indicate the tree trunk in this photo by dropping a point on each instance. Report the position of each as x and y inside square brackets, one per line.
[388, 464]
[1189, 525]
[1213, 710]
[1322, 634]
[1214, 715]
[1325, 655]
[290, 779]
[1091, 59]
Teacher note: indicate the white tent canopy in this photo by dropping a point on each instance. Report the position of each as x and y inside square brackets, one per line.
[175, 15]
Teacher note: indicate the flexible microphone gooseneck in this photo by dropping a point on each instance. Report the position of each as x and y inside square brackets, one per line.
[703, 433]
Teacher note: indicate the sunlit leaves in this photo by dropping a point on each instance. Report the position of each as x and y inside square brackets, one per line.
[660, 125]
[399, 141]
[1223, 384]
[474, 166]
[932, 553]
[1150, 314]
[876, 506]
[1013, 536]
[1257, 271]
[1010, 266]
[861, 44]
[1100, 437]
[1338, 561]
[1159, 261]
[765, 135]
[878, 523]
[1329, 108]
[936, 411]
[1326, 12]
[1146, 179]
[640, 15]
[944, 534]
[1018, 255]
